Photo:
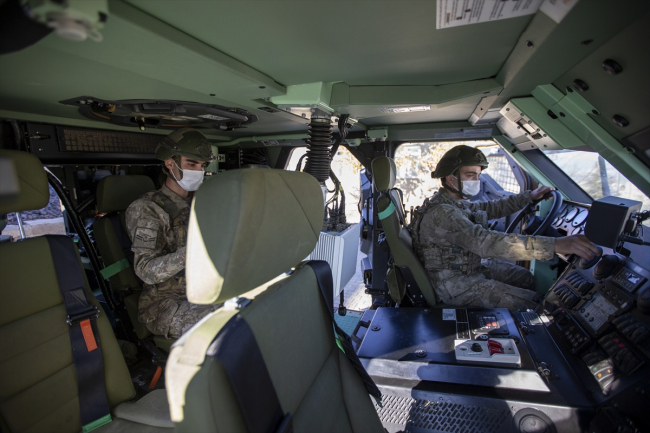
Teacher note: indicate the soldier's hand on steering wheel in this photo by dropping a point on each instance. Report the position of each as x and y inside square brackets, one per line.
[540, 192]
[577, 244]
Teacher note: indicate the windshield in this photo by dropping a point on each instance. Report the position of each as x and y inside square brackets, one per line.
[595, 175]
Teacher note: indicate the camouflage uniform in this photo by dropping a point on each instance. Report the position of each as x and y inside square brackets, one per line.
[451, 237]
[157, 225]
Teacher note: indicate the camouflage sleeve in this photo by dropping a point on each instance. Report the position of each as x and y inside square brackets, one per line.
[447, 222]
[504, 207]
[146, 228]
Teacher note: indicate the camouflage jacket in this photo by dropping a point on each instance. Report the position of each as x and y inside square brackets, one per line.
[157, 225]
[450, 234]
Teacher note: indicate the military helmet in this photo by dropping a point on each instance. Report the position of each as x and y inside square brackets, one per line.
[186, 142]
[457, 157]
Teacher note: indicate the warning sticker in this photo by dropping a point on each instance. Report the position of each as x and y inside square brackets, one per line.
[453, 13]
[448, 314]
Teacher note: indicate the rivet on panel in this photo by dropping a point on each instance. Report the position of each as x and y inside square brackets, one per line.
[530, 44]
[620, 121]
[612, 67]
[580, 85]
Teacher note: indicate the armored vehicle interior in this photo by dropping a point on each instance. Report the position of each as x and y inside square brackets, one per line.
[304, 102]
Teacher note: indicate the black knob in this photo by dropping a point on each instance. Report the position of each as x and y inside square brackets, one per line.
[620, 121]
[606, 267]
[580, 85]
[586, 264]
[476, 348]
[612, 67]
[643, 301]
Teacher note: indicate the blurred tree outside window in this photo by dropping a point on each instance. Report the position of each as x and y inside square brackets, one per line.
[346, 167]
[596, 176]
[416, 161]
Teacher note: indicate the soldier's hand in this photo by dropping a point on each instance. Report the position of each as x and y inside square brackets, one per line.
[578, 244]
[540, 192]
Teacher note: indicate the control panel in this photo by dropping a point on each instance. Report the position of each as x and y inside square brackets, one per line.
[598, 312]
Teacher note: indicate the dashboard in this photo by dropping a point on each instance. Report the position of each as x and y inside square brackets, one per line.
[572, 218]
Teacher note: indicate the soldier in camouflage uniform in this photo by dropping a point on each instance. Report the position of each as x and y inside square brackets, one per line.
[451, 236]
[157, 225]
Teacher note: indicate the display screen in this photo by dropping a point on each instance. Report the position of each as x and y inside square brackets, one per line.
[488, 322]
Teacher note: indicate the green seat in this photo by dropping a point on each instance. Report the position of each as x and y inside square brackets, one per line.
[38, 381]
[247, 229]
[391, 214]
[114, 195]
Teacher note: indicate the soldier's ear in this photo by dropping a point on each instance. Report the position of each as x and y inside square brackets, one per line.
[169, 163]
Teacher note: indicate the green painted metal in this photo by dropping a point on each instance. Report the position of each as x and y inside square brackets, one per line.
[575, 112]
[361, 42]
[555, 129]
[255, 139]
[525, 162]
[315, 95]
[344, 94]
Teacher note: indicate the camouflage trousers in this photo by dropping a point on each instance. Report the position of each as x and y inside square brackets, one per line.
[175, 318]
[499, 285]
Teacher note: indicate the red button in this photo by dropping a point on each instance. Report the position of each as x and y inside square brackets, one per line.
[492, 343]
[494, 350]
[616, 340]
[622, 346]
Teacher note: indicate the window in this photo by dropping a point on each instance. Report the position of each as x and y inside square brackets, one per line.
[346, 167]
[416, 161]
[48, 220]
[595, 175]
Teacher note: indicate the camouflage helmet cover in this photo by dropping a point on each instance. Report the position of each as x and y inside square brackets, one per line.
[186, 142]
[459, 156]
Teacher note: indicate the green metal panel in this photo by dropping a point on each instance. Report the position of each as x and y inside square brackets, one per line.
[361, 42]
[625, 94]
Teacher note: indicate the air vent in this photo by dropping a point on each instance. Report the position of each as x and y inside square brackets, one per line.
[147, 113]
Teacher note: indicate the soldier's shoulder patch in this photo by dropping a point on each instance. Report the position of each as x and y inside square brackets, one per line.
[145, 238]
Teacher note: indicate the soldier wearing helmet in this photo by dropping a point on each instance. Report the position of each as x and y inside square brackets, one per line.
[157, 225]
[451, 237]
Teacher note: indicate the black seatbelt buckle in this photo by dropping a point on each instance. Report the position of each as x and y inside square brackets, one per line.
[91, 312]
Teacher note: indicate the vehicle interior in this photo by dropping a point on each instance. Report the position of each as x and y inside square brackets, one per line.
[327, 320]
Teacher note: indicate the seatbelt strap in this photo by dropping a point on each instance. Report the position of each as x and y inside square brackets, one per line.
[84, 336]
[236, 349]
[324, 277]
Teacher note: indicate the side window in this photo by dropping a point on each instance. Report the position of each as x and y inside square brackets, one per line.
[416, 161]
[499, 169]
[48, 220]
[346, 168]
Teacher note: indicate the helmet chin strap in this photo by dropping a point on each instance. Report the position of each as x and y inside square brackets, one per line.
[459, 188]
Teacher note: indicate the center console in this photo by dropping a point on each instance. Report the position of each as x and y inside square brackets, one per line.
[581, 362]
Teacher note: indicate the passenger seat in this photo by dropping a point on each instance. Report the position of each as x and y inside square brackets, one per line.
[390, 212]
[114, 195]
[247, 229]
[38, 379]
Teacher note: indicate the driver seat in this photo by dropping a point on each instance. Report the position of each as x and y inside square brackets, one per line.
[408, 270]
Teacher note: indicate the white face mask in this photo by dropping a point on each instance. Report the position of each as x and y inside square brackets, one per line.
[470, 187]
[192, 179]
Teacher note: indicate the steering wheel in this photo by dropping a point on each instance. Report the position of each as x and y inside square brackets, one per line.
[552, 214]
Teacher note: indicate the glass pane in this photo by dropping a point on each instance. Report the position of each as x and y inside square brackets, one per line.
[416, 161]
[346, 167]
[48, 220]
[595, 175]
[499, 169]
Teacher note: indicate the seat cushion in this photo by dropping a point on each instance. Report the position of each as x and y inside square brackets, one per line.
[34, 192]
[116, 193]
[38, 385]
[151, 409]
[313, 379]
[111, 252]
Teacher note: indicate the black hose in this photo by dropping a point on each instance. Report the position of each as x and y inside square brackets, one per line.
[83, 236]
[318, 148]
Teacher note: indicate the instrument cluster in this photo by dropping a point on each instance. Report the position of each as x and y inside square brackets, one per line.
[571, 219]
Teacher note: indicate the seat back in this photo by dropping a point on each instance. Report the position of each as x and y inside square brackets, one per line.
[390, 211]
[247, 227]
[38, 385]
[114, 195]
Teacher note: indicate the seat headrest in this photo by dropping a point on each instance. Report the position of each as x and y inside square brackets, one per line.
[34, 192]
[383, 173]
[116, 193]
[246, 228]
